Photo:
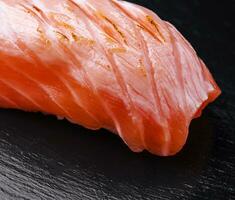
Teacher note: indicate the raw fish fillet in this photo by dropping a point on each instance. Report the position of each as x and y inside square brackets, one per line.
[103, 64]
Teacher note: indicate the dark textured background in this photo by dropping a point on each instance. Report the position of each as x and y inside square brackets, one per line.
[42, 158]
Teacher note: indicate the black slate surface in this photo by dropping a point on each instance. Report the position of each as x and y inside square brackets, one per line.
[42, 158]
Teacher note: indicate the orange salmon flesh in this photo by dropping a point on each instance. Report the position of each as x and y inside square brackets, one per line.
[103, 64]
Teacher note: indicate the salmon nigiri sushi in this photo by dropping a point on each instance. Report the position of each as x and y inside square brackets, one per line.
[103, 64]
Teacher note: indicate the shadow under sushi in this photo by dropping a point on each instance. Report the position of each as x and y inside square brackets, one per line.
[69, 157]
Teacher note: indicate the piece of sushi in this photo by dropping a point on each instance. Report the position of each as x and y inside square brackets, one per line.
[103, 64]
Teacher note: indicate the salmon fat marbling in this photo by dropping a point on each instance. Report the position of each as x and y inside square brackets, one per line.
[103, 64]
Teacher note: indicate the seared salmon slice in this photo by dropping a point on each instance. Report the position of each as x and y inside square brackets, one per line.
[103, 64]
